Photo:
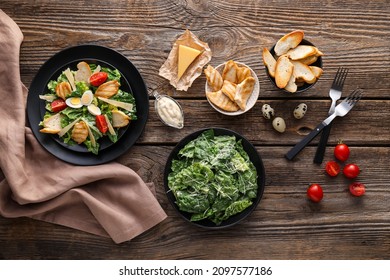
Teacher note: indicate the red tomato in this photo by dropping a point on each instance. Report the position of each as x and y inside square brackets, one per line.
[341, 152]
[58, 105]
[315, 193]
[332, 168]
[357, 189]
[351, 171]
[101, 123]
[98, 78]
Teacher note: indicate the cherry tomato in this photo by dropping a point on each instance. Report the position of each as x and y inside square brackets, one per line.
[341, 152]
[58, 105]
[315, 193]
[351, 171]
[101, 123]
[332, 168]
[357, 189]
[98, 78]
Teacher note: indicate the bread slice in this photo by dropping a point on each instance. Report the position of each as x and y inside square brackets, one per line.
[119, 119]
[301, 51]
[317, 71]
[302, 71]
[222, 101]
[269, 62]
[309, 60]
[52, 125]
[283, 71]
[288, 41]
[291, 85]
[243, 91]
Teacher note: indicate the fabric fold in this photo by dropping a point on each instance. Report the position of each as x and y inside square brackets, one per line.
[108, 200]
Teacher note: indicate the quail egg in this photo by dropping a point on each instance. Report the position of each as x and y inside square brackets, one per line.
[268, 111]
[300, 111]
[279, 124]
[74, 102]
[87, 98]
[94, 110]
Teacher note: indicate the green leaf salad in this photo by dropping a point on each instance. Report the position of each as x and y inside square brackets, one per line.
[213, 178]
[87, 104]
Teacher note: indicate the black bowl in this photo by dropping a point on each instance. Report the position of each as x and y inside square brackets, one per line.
[254, 157]
[304, 87]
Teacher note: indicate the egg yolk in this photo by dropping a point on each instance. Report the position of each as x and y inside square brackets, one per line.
[75, 101]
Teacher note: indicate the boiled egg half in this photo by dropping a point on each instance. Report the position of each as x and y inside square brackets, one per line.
[86, 98]
[74, 102]
[94, 110]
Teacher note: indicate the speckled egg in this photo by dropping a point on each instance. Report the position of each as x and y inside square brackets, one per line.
[279, 124]
[268, 111]
[300, 111]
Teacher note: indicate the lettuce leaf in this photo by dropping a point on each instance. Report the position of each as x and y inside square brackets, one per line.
[213, 178]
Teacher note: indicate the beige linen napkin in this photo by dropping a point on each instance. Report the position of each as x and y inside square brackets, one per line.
[107, 200]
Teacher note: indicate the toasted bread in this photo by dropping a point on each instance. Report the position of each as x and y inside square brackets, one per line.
[303, 71]
[243, 91]
[214, 78]
[283, 71]
[229, 89]
[52, 125]
[230, 71]
[119, 119]
[301, 52]
[288, 41]
[309, 60]
[222, 101]
[317, 71]
[269, 62]
[83, 73]
[291, 85]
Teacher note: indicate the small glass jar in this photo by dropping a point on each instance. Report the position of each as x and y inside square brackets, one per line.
[169, 111]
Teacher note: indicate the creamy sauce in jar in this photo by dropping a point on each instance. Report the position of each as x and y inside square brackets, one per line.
[169, 111]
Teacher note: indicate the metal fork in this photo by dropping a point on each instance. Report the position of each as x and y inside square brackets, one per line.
[335, 94]
[340, 111]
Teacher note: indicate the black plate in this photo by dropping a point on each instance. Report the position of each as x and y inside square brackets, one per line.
[306, 86]
[66, 58]
[254, 157]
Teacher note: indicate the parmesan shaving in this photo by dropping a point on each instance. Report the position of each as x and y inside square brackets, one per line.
[109, 125]
[70, 78]
[67, 128]
[93, 141]
[123, 105]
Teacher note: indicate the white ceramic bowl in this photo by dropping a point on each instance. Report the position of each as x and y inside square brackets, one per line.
[251, 100]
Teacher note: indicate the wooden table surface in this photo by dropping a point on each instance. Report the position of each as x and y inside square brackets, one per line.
[285, 225]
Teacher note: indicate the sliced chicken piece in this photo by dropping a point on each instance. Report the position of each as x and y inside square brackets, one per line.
[108, 89]
[80, 132]
[63, 89]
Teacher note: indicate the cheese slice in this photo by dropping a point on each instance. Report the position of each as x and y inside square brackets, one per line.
[186, 56]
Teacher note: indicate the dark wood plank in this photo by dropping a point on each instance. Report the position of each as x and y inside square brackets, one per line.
[370, 116]
[285, 224]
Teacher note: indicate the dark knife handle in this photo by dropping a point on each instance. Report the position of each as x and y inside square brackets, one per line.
[299, 147]
[319, 157]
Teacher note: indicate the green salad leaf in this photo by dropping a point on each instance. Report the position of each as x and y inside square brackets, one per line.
[213, 178]
[69, 115]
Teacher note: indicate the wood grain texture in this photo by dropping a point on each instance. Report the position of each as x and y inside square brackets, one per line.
[285, 225]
